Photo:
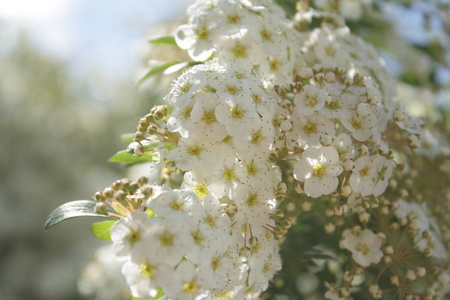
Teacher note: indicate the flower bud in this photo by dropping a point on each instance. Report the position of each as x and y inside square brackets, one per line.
[100, 208]
[286, 125]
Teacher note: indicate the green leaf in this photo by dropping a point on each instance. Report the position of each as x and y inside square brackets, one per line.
[102, 230]
[164, 40]
[127, 137]
[127, 157]
[156, 70]
[78, 208]
[159, 294]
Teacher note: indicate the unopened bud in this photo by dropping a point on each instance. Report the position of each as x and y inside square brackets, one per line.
[286, 125]
[99, 196]
[152, 129]
[421, 272]
[108, 192]
[330, 228]
[395, 281]
[347, 164]
[100, 208]
[138, 136]
[139, 150]
[159, 114]
[330, 77]
[411, 275]
[147, 190]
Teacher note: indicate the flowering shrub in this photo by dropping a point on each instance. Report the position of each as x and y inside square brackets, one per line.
[274, 119]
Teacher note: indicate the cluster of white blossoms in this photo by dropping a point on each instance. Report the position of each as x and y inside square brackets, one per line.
[273, 107]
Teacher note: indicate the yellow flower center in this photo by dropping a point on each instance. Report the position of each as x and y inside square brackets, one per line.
[227, 139]
[210, 221]
[133, 236]
[237, 112]
[319, 170]
[187, 112]
[330, 51]
[209, 117]
[197, 236]
[311, 101]
[252, 169]
[257, 137]
[266, 268]
[166, 239]
[256, 98]
[364, 171]
[310, 128]
[274, 65]
[232, 89]
[202, 33]
[356, 124]
[146, 269]
[229, 174]
[332, 105]
[201, 190]
[239, 51]
[265, 35]
[176, 205]
[194, 150]
[233, 19]
[190, 287]
[252, 200]
[185, 88]
[363, 248]
[225, 295]
[215, 263]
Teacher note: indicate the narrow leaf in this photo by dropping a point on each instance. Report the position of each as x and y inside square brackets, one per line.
[165, 40]
[127, 157]
[79, 208]
[155, 71]
[102, 230]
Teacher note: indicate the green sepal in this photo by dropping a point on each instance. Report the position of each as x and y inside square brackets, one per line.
[127, 157]
[102, 230]
[78, 208]
[164, 40]
[156, 70]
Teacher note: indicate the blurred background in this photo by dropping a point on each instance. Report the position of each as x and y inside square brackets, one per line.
[68, 91]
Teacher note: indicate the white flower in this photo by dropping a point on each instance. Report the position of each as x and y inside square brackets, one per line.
[143, 271]
[370, 175]
[344, 146]
[318, 168]
[238, 115]
[366, 247]
[204, 122]
[186, 284]
[128, 232]
[309, 100]
[185, 86]
[197, 37]
[307, 130]
[189, 152]
[366, 121]
[258, 143]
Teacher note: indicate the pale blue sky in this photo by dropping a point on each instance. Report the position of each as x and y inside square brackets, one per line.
[103, 34]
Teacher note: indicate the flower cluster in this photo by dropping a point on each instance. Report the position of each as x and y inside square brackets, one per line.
[274, 115]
